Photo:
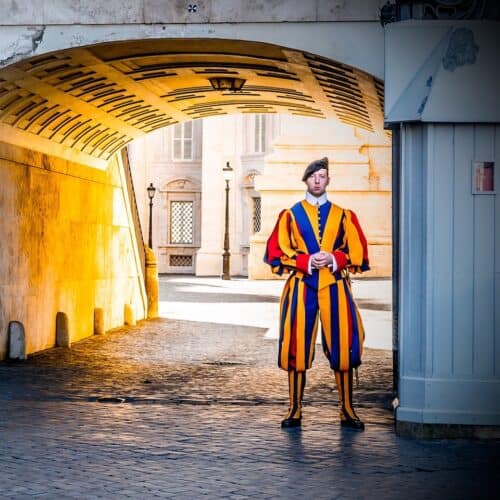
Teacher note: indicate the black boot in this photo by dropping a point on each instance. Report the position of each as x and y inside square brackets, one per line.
[348, 417]
[296, 384]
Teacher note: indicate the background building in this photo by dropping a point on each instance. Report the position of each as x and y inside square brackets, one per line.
[268, 153]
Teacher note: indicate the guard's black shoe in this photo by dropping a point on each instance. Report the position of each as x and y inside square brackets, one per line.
[291, 422]
[353, 423]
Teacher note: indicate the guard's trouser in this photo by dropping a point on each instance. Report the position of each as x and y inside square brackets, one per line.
[341, 326]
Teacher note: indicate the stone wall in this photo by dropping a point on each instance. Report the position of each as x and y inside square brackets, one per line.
[67, 246]
[170, 11]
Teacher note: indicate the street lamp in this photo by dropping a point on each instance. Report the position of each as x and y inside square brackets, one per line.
[151, 194]
[227, 172]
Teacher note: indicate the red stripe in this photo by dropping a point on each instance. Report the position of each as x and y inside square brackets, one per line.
[273, 249]
[361, 236]
[302, 262]
[341, 259]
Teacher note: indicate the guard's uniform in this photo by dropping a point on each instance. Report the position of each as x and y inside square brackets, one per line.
[300, 232]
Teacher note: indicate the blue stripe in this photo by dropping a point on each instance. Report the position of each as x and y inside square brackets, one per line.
[324, 211]
[355, 354]
[311, 311]
[307, 232]
[305, 228]
[283, 315]
[340, 235]
[335, 330]
[282, 324]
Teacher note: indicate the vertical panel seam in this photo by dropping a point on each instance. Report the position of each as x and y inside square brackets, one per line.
[473, 343]
[430, 152]
[495, 250]
[453, 263]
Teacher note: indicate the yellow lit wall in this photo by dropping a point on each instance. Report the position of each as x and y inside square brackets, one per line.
[67, 245]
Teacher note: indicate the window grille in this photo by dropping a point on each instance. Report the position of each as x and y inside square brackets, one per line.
[181, 222]
[180, 260]
[182, 138]
[257, 218]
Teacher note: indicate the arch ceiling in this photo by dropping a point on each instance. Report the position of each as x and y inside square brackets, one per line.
[85, 104]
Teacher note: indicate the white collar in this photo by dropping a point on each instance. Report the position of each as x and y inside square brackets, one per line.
[312, 200]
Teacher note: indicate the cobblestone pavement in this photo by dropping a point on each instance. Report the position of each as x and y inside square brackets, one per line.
[199, 418]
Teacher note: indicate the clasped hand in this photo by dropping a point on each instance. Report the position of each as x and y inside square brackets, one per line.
[321, 259]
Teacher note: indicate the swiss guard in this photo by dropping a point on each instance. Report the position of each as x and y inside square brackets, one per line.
[319, 244]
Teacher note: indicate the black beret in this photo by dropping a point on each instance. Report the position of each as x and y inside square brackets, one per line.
[314, 167]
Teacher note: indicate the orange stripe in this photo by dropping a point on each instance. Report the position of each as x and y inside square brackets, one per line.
[343, 330]
[287, 328]
[313, 342]
[331, 228]
[361, 330]
[300, 318]
[347, 394]
[291, 385]
[326, 277]
[312, 214]
[356, 249]
[325, 314]
[286, 289]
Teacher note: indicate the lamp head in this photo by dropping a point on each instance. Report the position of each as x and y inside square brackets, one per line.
[227, 172]
[151, 191]
[226, 83]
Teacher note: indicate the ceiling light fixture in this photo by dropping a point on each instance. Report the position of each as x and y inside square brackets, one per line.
[226, 83]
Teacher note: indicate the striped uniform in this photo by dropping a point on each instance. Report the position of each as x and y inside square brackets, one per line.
[301, 231]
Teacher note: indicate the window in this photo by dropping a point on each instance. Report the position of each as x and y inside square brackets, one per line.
[180, 260]
[181, 222]
[256, 215]
[259, 140]
[182, 141]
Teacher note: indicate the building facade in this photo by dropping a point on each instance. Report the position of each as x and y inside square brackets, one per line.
[268, 153]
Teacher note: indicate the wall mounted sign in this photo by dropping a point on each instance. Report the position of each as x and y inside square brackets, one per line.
[483, 177]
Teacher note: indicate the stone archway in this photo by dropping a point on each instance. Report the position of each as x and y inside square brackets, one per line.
[68, 113]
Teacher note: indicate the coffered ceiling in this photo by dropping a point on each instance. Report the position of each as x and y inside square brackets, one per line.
[87, 103]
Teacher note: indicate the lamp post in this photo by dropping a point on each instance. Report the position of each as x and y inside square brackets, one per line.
[226, 274]
[151, 194]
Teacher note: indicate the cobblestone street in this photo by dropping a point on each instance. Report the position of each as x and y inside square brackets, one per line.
[190, 408]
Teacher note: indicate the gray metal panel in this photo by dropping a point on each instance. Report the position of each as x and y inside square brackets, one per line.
[411, 334]
[463, 252]
[484, 261]
[440, 217]
[497, 253]
[450, 279]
